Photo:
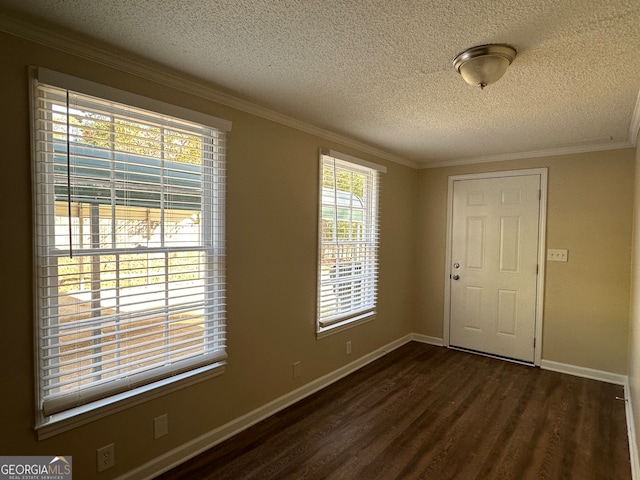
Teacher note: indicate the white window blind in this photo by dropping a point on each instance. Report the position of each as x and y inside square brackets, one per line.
[129, 212]
[348, 240]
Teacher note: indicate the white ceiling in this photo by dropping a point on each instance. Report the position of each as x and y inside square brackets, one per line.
[380, 72]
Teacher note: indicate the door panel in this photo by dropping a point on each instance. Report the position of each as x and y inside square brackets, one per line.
[494, 253]
[509, 244]
[475, 242]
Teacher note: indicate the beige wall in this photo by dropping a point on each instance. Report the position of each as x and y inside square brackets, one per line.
[590, 201]
[272, 235]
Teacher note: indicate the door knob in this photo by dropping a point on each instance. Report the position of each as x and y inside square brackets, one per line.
[455, 277]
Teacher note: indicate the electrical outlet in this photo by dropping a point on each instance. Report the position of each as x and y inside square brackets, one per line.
[296, 369]
[160, 426]
[558, 255]
[105, 457]
[349, 347]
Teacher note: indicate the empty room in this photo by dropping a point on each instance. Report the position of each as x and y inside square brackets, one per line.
[320, 239]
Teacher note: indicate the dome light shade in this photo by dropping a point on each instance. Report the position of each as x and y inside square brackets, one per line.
[483, 65]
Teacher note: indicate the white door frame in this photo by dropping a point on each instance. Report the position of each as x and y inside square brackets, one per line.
[542, 228]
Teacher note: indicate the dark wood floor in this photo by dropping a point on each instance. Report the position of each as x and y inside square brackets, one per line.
[425, 412]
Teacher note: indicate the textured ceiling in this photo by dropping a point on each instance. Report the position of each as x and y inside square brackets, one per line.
[379, 71]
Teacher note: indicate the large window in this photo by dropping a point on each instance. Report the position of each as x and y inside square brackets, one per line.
[129, 242]
[348, 241]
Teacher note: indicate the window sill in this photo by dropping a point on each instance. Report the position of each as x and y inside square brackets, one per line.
[345, 325]
[70, 419]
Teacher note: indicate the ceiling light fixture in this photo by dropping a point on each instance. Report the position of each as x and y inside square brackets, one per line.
[485, 64]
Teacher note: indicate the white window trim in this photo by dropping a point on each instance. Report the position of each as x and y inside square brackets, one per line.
[352, 319]
[345, 324]
[62, 80]
[51, 425]
[76, 417]
[356, 160]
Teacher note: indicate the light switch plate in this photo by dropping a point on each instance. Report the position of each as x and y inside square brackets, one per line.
[558, 255]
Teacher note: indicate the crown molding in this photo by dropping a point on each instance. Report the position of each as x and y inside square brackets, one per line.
[531, 154]
[127, 62]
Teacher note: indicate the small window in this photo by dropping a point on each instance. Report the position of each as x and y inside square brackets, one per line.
[348, 241]
[129, 212]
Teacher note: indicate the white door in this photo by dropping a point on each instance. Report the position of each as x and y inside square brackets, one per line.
[494, 260]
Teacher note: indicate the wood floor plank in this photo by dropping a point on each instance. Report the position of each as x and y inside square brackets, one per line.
[426, 412]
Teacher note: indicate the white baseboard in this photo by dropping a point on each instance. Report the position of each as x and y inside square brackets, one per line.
[584, 372]
[417, 337]
[631, 433]
[210, 439]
